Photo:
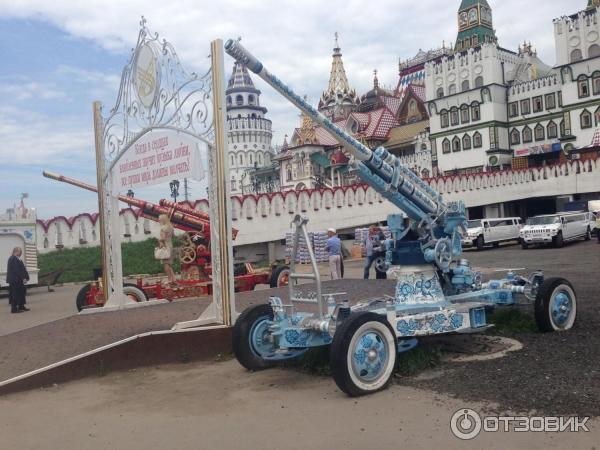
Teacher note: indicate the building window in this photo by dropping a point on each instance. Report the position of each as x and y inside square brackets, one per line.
[525, 106]
[239, 100]
[552, 130]
[479, 82]
[452, 89]
[493, 137]
[586, 119]
[562, 128]
[251, 99]
[515, 137]
[594, 51]
[538, 104]
[444, 119]
[475, 39]
[583, 86]
[456, 144]
[596, 83]
[232, 184]
[539, 132]
[241, 158]
[446, 146]
[560, 103]
[465, 86]
[464, 114]
[475, 112]
[232, 161]
[477, 140]
[466, 142]
[440, 92]
[576, 55]
[550, 101]
[513, 109]
[454, 116]
[229, 99]
[527, 136]
[288, 173]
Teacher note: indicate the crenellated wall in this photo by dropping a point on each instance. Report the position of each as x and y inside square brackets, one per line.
[266, 218]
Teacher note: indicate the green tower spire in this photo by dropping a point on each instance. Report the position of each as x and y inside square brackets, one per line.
[475, 25]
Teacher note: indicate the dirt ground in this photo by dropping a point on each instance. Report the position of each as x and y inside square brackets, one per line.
[220, 405]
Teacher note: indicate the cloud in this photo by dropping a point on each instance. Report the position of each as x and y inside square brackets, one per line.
[27, 90]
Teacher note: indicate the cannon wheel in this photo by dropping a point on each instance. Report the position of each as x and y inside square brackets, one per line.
[555, 305]
[280, 276]
[248, 338]
[134, 292]
[82, 298]
[363, 354]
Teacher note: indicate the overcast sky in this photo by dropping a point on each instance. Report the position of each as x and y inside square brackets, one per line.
[59, 56]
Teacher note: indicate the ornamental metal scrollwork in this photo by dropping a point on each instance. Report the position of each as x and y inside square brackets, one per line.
[157, 92]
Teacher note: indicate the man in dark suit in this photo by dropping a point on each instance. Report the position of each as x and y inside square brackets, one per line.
[16, 277]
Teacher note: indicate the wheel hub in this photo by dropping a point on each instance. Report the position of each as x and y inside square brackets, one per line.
[561, 308]
[370, 355]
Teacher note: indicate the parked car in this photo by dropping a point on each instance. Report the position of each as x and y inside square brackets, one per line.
[483, 232]
[557, 229]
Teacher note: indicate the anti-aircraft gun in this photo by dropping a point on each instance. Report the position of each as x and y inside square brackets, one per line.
[437, 292]
[194, 256]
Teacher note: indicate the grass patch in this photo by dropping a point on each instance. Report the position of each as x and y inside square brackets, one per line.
[314, 361]
[423, 357]
[78, 263]
[511, 320]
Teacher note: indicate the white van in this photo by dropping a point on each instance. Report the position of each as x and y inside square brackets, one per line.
[482, 232]
[557, 228]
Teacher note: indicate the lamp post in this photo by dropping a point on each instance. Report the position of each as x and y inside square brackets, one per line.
[174, 185]
[130, 193]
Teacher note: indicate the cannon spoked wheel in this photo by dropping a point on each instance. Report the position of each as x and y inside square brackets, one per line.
[82, 298]
[251, 338]
[555, 305]
[130, 290]
[188, 255]
[363, 354]
[280, 276]
[380, 265]
[443, 253]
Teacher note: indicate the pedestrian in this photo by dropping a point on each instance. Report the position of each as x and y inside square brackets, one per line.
[165, 244]
[16, 277]
[374, 246]
[334, 246]
[344, 253]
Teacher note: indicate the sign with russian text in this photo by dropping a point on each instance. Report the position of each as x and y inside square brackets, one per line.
[538, 149]
[156, 158]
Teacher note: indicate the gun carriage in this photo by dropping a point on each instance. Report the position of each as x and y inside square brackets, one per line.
[194, 256]
[437, 291]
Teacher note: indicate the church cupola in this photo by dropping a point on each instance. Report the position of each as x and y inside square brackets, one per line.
[241, 95]
[475, 25]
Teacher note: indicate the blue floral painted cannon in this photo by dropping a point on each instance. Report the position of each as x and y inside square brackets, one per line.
[437, 291]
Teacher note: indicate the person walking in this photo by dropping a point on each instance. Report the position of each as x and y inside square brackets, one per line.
[16, 277]
[334, 247]
[166, 242]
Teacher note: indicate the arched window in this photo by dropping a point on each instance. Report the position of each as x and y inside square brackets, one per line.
[259, 158]
[440, 92]
[477, 140]
[446, 146]
[251, 99]
[576, 55]
[241, 159]
[552, 130]
[231, 161]
[586, 119]
[594, 51]
[465, 86]
[466, 142]
[229, 99]
[515, 137]
[233, 183]
[475, 112]
[250, 159]
[452, 89]
[527, 135]
[454, 116]
[456, 144]
[583, 86]
[239, 100]
[479, 81]
[539, 132]
[288, 173]
[464, 114]
[563, 132]
[443, 120]
[46, 244]
[596, 83]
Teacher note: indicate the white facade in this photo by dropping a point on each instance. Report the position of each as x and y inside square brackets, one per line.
[249, 133]
[489, 105]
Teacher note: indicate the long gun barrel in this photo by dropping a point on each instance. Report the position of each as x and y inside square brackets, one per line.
[182, 216]
[382, 170]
